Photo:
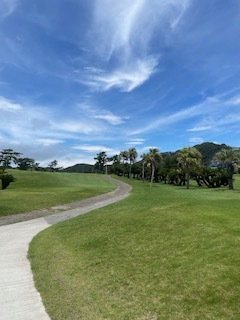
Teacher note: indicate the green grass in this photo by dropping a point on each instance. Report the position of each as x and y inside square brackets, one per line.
[162, 253]
[37, 190]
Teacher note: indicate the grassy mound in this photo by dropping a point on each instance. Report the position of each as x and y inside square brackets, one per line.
[162, 253]
[37, 190]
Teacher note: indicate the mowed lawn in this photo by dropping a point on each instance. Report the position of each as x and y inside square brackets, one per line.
[38, 190]
[162, 253]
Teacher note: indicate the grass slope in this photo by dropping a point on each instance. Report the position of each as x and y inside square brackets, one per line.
[37, 190]
[162, 253]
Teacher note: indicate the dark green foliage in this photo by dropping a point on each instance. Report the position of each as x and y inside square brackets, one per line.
[162, 175]
[7, 156]
[25, 163]
[169, 160]
[177, 177]
[6, 178]
[101, 162]
[212, 178]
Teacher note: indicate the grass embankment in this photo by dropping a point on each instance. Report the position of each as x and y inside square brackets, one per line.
[163, 253]
[37, 190]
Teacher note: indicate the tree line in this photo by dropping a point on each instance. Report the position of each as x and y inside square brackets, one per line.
[173, 168]
[9, 157]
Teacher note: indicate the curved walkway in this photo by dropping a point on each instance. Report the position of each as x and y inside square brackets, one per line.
[19, 299]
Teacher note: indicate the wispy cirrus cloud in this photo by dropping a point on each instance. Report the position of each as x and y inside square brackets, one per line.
[125, 78]
[110, 118]
[211, 113]
[7, 7]
[196, 140]
[48, 142]
[125, 50]
[135, 142]
[203, 128]
[101, 114]
[96, 149]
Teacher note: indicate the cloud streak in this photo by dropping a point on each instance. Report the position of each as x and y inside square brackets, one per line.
[7, 7]
[125, 49]
[208, 108]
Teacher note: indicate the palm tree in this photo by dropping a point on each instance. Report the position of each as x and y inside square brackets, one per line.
[153, 158]
[132, 153]
[229, 158]
[189, 159]
[125, 157]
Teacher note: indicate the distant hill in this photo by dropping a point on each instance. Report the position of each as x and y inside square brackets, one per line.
[208, 150]
[80, 168]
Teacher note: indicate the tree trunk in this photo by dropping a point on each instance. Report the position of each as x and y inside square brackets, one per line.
[230, 183]
[188, 179]
[143, 178]
[152, 176]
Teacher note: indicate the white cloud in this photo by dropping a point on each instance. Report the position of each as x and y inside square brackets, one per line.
[112, 119]
[96, 149]
[235, 101]
[7, 105]
[101, 114]
[48, 142]
[122, 32]
[76, 126]
[170, 119]
[136, 141]
[217, 111]
[125, 78]
[199, 128]
[196, 140]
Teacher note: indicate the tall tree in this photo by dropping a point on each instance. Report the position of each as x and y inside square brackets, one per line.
[116, 164]
[125, 157]
[53, 165]
[229, 158]
[7, 156]
[153, 158]
[25, 163]
[189, 159]
[101, 158]
[132, 152]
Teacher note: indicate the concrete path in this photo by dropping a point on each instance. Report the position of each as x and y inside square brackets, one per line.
[19, 299]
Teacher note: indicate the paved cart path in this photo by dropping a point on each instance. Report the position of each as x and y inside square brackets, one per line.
[19, 299]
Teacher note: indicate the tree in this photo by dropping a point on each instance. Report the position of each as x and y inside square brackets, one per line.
[6, 178]
[116, 164]
[189, 159]
[7, 156]
[25, 163]
[228, 158]
[153, 158]
[211, 177]
[101, 158]
[132, 152]
[125, 157]
[53, 165]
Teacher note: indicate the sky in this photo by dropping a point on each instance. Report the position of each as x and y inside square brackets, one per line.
[79, 77]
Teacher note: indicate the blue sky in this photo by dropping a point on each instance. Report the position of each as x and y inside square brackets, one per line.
[78, 77]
